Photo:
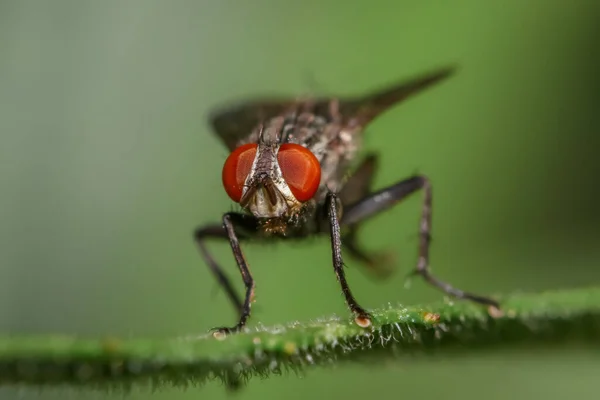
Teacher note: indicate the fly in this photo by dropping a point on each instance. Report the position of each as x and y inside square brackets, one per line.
[290, 170]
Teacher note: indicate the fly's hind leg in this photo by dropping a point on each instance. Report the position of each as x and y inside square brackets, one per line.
[389, 196]
[358, 186]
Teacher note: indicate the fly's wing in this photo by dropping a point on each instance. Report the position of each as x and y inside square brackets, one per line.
[237, 121]
[361, 110]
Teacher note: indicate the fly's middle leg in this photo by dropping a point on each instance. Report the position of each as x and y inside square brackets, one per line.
[388, 197]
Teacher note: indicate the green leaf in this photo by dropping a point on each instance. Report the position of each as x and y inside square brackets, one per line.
[552, 318]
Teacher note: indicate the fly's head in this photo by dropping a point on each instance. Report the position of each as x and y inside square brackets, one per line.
[269, 178]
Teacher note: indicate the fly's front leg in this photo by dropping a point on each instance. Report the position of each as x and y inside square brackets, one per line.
[216, 231]
[386, 198]
[362, 317]
[227, 231]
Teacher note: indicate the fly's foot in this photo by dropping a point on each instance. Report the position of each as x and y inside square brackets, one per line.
[363, 319]
[222, 332]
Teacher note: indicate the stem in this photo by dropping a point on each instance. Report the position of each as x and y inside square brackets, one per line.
[551, 318]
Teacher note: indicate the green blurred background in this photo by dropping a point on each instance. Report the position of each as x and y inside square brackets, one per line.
[107, 165]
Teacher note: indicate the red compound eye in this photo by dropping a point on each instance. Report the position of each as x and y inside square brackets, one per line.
[236, 170]
[300, 169]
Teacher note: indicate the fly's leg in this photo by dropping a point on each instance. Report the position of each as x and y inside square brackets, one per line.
[386, 198]
[227, 231]
[216, 231]
[362, 316]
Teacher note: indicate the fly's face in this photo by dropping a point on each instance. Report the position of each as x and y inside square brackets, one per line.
[269, 178]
